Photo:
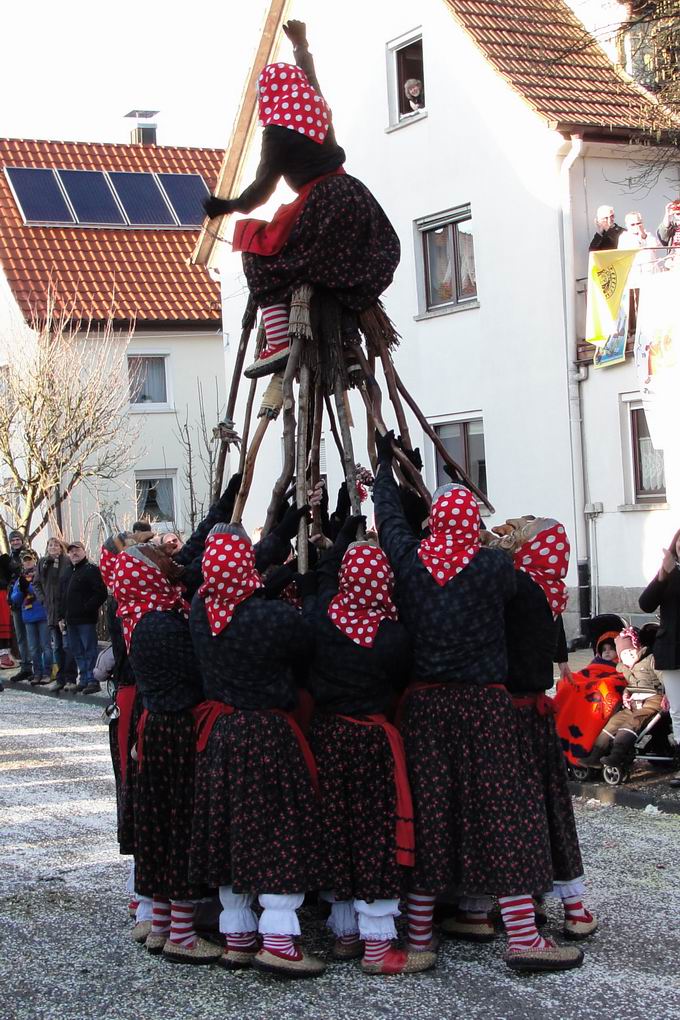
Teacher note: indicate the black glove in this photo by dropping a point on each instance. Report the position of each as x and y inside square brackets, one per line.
[383, 447]
[413, 456]
[306, 584]
[348, 532]
[228, 497]
[217, 206]
[289, 526]
[278, 579]
[23, 584]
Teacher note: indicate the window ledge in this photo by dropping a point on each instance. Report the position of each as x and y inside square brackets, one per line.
[410, 118]
[434, 313]
[632, 507]
[151, 409]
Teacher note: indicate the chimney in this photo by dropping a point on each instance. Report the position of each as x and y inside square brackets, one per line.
[142, 133]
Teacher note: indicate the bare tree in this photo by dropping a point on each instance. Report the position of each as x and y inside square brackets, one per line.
[64, 397]
[199, 447]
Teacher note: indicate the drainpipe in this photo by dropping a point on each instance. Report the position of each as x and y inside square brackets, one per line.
[575, 376]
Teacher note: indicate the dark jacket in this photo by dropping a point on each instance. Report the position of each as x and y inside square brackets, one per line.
[122, 668]
[665, 596]
[531, 635]
[164, 664]
[51, 582]
[6, 574]
[345, 677]
[85, 593]
[666, 233]
[288, 154]
[255, 662]
[457, 630]
[607, 240]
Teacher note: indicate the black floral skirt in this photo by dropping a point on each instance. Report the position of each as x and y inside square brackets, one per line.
[358, 809]
[125, 788]
[256, 816]
[549, 774]
[480, 827]
[164, 807]
[342, 241]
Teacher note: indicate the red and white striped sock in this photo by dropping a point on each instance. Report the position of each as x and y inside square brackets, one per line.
[182, 931]
[420, 908]
[281, 945]
[132, 905]
[349, 940]
[275, 320]
[376, 950]
[519, 919]
[160, 917]
[239, 941]
[574, 909]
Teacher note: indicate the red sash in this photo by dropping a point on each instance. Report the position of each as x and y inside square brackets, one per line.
[208, 712]
[405, 835]
[125, 703]
[540, 701]
[140, 738]
[262, 237]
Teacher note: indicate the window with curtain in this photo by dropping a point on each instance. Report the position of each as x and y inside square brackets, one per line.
[155, 499]
[464, 441]
[449, 263]
[148, 383]
[650, 478]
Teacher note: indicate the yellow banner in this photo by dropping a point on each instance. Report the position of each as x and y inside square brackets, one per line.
[607, 276]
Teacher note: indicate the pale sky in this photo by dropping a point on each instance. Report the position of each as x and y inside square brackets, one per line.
[71, 70]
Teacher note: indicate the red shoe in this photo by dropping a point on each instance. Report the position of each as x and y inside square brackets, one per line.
[401, 961]
[271, 360]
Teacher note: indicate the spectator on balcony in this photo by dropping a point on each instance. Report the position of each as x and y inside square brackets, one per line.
[607, 230]
[669, 234]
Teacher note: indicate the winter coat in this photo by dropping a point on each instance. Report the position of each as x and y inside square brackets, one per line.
[257, 660]
[665, 596]
[164, 664]
[531, 634]
[85, 593]
[32, 609]
[642, 676]
[344, 677]
[51, 582]
[458, 629]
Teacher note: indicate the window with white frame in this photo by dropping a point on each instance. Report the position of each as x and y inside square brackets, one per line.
[445, 260]
[406, 77]
[649, 479]
[148, 379]
[155, 494]
[464, 442]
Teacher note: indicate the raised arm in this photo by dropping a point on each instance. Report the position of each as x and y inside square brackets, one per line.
[267, 177]
[396, 536]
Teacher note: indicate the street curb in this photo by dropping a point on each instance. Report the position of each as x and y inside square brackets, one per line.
[616, 796]
[89, 699]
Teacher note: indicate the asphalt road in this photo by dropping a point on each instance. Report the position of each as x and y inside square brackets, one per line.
[66, 952]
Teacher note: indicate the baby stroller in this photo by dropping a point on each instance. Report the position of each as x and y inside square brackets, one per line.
[652, 745]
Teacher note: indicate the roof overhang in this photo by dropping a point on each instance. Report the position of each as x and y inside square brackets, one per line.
[242, 133]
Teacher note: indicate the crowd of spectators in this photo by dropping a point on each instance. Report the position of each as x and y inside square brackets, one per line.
[658, 251]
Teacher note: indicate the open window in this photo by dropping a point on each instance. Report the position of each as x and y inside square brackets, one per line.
[406, 78]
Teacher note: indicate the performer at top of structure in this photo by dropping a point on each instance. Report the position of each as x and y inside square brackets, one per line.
[334, 235]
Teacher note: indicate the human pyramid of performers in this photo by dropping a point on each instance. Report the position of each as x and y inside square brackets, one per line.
[361, 719]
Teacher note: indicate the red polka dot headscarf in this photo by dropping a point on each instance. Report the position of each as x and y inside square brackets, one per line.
[545, 558]
[140, 587]
[454, 535]
[107, 563]
[286, 99]
[365, 597]
[230, 577]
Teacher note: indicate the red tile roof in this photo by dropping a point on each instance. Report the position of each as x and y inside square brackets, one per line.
[546, 54]
[94, 273]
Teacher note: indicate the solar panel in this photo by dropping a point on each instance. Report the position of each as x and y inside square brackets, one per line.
[186, 193]
[142, 200]
[39, 195]
[91, 197]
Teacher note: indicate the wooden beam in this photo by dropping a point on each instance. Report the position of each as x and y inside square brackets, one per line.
[231, 170]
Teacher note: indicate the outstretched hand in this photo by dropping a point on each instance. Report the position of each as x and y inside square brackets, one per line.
[296, 32]
[217, 206]
[384, 447]
[288, 528]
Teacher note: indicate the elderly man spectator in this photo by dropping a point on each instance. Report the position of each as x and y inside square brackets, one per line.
[607, 230]
[17, 548]
[635, 236]
[85, 593]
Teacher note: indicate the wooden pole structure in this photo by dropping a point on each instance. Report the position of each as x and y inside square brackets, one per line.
[334, 427]
[370, 425]
[249, 468]
[288, 469]
[248, 323]
[393, 390]
[246, 424]
[347, 448]
[301, 464]
[446, 456]
[315, 454]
